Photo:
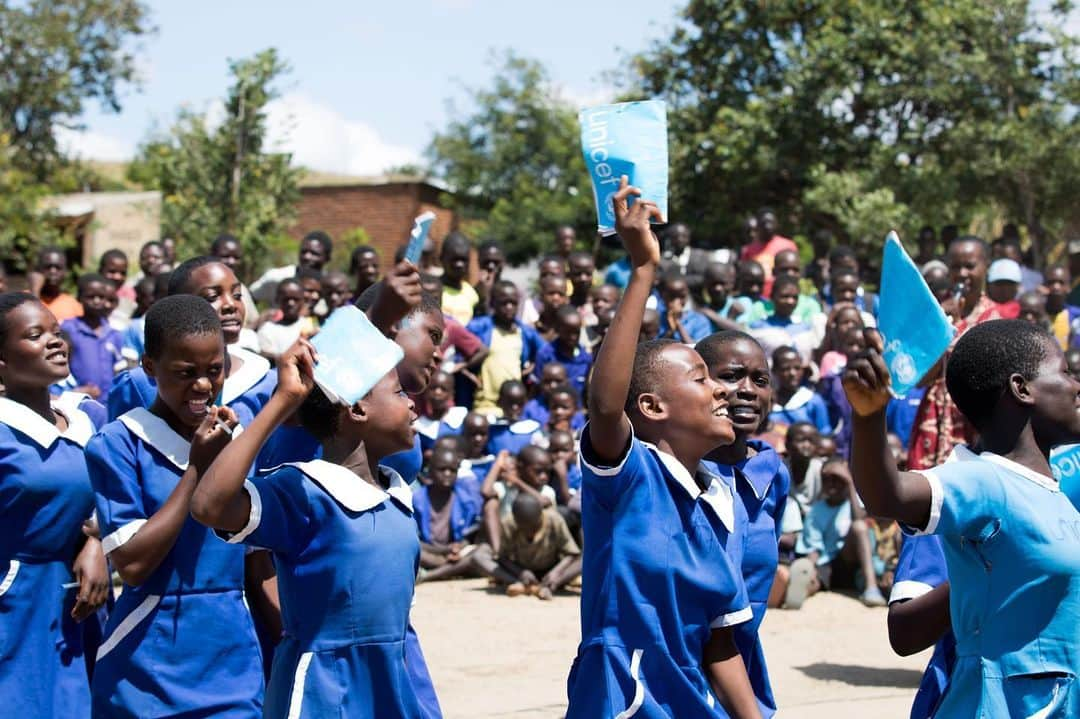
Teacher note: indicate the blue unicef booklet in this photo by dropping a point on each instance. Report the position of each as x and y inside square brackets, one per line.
[353, 355]
[628, 138]
[915, 328]
[420, 230]
[1065, 464]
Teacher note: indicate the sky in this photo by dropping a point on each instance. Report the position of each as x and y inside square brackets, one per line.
[370, 79]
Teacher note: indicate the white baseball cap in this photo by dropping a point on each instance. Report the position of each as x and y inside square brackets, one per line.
[1004, 271]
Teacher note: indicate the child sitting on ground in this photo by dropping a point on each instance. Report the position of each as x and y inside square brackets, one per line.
[510, 431]
[553, 375]
[835, 542]
[446, 517]
[538, 554]
[804, 464]
[529, 474]
[441, 417]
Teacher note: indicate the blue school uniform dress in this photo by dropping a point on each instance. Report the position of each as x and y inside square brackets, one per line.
[657, 582]
[347, 556]
[464, 510]
[245, 391]
[430, 429]
[181, 643]
[1010, 538]
[804, 406]
[920, 569]
[45, 496]
[511, 436]
[761, 488]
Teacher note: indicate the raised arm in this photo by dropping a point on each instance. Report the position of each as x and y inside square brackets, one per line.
[399, 294]
[887, 492]
[219, 501]
[136, 559]
[609, 429]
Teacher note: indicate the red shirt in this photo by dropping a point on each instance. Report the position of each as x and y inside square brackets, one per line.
[765, 254]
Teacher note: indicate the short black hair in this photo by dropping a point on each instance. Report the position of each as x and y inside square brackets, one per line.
[511, 384]
[354, 258]
[710, 348]
[286, 283]
[175, 318]
[782, 351]
[180, 278]
[526, 508]
[221, 240]
[566, 312]
[307, 273]
[581, 255]
[9, 301]
[648, 373]
[455, 241]
[977, 373]
[784, 281]
[50, 250]
[319, 416]
[152, 243]
[323, 239]
[487, 245]
[837, 273]
[567, 388]
[113, 254]
[506, 285]
[841, 252]
[973, 239]
[90, 278]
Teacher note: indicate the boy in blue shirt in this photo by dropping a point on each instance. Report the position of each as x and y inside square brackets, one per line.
[446, 515]
[662, 596]
[96, 346]
[794, 401]
[566, 349]
[1006, 528]
[678, 321]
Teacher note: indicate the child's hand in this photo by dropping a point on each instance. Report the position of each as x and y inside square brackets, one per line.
[92, 574]
[866, 378]
[632, 225]
[211, 437]
[399, 294]
[528, 578]
[296, 372]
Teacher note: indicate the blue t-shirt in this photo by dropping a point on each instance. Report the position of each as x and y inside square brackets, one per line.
[804, 406]
[577, 366]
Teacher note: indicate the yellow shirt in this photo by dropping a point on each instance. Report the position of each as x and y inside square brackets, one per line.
[503, 363]
[1060, 327]
[460, 303]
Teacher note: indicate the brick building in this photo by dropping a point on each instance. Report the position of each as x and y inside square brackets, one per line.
[384, 207]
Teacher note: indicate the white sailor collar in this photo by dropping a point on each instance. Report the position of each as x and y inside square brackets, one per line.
[352, 492]
[33, 425]
[1040, 479]
[717, 495]
[429, 426]
[253, 369]
[157, 433]
[801, 397]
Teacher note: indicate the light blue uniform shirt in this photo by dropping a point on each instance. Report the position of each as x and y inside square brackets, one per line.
[657, 582]
[1012, 545]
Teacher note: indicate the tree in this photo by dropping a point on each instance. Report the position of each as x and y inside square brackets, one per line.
[949, 106]
[55, 55]
[224, 178]
[514, 164]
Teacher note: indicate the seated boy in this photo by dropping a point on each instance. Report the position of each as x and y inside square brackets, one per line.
[553, 375]
[720, 307]
[474, 440]
[835, 542]
[793, 401]
[566, 349]
[529, 474]
[538, 554]
[446, 517]
[96, 346]
[678, 321]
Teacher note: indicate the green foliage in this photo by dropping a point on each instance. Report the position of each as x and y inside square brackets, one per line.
[344, 245]
[935, 109]
[224, 178]
[24, 226]
[514, 163]
[55, 55]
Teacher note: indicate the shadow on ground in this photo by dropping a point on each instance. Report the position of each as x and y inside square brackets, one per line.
[861, 676]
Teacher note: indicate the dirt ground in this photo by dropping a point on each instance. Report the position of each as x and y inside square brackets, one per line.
[491, 656]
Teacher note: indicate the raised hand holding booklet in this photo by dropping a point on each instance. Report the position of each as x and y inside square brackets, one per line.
[915, 328]
[353, 355]
[628, 138]
[418, 236]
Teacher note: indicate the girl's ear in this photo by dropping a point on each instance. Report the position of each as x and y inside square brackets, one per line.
[651, 406]
[147, 365]
[1020, 389]
[358, 412]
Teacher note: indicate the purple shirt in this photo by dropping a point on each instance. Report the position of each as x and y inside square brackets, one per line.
[93, 357]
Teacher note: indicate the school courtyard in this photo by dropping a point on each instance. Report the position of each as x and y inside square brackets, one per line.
[496, 657]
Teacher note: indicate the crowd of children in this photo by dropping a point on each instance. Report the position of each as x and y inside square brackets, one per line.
[686, 438]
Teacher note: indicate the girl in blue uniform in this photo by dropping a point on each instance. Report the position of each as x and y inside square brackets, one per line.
[660, 596]
[180, 639]
[1010, 536]
[248, 379]
[761, 481]
[45, 497]
[344, 541]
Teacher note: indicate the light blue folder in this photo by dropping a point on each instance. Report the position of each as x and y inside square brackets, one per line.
[628, 138]
[915, 328]
[1065, 463]
[353, 355]
[420, 230]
